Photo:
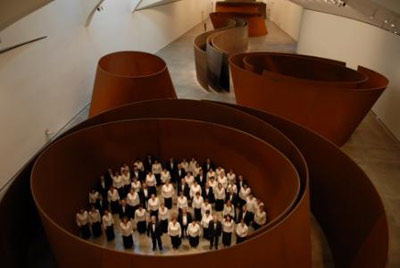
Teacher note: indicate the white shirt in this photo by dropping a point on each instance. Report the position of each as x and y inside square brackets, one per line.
[251, 204]
[113, 196]
[231, 177]
[167, 191]
[185, 166]
[139, 165]
[213, 184]
[205, 207]
[229, 210]
[192, 165]
[126, 229]
[174, 229]
[182, 202]
[194, 230]
[117, 182]
[94, 216]
[82, 219]
[153, 204]
[197, 202]
[156, 168]
[108, 220]
[205, 221]
[219, 193]
[260, 217]
[242, 230]
[163, 214]
[93, 197]
[133, 199]
[227, 226]
[223, 180]
[189, 180]
[244, 193]
[165, 176]
[151, 180]
[136, 185]
[211, 173]
[140, 215]
[219, 171]
[194, 189]
[126, 179]
[232, 187]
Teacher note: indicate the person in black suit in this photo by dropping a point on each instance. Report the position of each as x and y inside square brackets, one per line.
[108, 177]
[208, 193]
[184, 219]
[172, 167]
[244, 215]
[215, 231]
[154, 231]
[148, 163]
[184, 188]
[181, 173]
[123, 210]
[231, 196]
[102, 187]
[201, 178]
[144, 195]
[207, 165]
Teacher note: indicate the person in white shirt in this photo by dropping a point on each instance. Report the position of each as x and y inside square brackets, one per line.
[126, 231]
[219, 171]
[185, 165]
[211, 173]
[251, 205]
[151, 182]
[197, 204]
[95, 221]
[117, 183]
[165, 176]
[163, 216]
[195, 188]
[232, 187]
[194, 232]
[243, 194]
[175, 232]
[231, 177]
[189, 178]
[213, 183]
[205, 221]
[136, 185]
[82, 220]
[241, 232]
[182, 202]
[140, 217]
[139, 165]
[229, 209]
[126, 181]
[197, 170]
[227, 229]
[223, 180]
[220, 195]
[192, 165]
[153, 205]
[167, 192]
[157, 169]
[133, 201]
[113, 199]
[108, 225]
[206, 206]
[94, 198]
[260, 218]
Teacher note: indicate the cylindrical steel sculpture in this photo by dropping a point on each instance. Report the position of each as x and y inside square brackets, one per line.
[320, 94]
[129, 76]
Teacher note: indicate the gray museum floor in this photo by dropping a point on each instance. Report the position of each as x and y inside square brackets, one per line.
[371, 146]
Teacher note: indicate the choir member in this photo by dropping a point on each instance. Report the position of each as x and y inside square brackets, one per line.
[108, 225]
[151, 183]
[144, 195]
[232, 186]
[205, 223]
[108, 177]
[185, 165]
[219, 194]
[197, 204]
[260, 218]
[227, 229]
[82, 220]
[197, 170]
[95, 221]
[219, 171]
[208, 193]
[201, 179]
[153, 205]
[163, 217]
[211, 173]
[231, 177]
[154, 230]
[137, 174]
[213, 183]
[124, 168]
[102, 188]
[206, 206]
[126, 181]
[126, 231]
[117, 183]
[172, 167]
[251, 204]
[222, 179]
[231, 196]
[113, 199]
[208, 165]
[148, 163]
[192, 165]
[175, 232]
[165, 176]
[139, 165]
[94, 198]
[193, 233]
[167, 192]
[133, 202]
[184, 219]
[181, 173]
[195, 188]
[184, 188]
[189, 178]
[136, 185]
[156, 170]
[243, 194]
[123, 209]
[229, 210]
[240, 181]
[215, 231]
[241, 232]
[140, 217]
[244, 215]
[182, 202]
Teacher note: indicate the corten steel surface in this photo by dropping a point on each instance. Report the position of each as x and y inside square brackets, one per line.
[212, 50]
[256, 22]
[267, 170]
[320, 94]
[249, 7]
[129, 76]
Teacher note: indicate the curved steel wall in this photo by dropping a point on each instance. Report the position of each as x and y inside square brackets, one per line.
[256, 22]
[129, 76]
[320, 94]
[248, 7]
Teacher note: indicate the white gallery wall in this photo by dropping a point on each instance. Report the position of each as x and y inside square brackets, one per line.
[44, 84]
[357, 43]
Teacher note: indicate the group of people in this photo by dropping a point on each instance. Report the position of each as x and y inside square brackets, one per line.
[150, 188]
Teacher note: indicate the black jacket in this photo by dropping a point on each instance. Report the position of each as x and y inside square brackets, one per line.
[209, 196]
[186, 190]
[215, 231]
[157, 232]
[122, 213]
[206, 167]
[180, 219]
[247, 218]
[234, 198]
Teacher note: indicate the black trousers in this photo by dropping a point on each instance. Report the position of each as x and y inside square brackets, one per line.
[110, 233]
[152, 190]
[214, 240]
[194, 241]
[114, 207]
[96, 229]
[156, 239]
[219, 205]
[128, 241]
[141, 227]
[158, 178]
[197, 214]
[154, 213]
[175, 241]
[240, 239]
[85, 230]
[164, 226]
[206, 233]
[256, 226]
[168, 203]
[226, 239]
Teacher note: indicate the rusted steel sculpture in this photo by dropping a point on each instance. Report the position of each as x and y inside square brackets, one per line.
[320, 94]
[129, 76]
[256, 22]
[249, 7]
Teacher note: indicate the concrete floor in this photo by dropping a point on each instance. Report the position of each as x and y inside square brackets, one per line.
[371, 146]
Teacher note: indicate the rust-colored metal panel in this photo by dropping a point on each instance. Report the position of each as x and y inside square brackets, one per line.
[129, 76]
[256, 22]
[320, 94]
[248, 7]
